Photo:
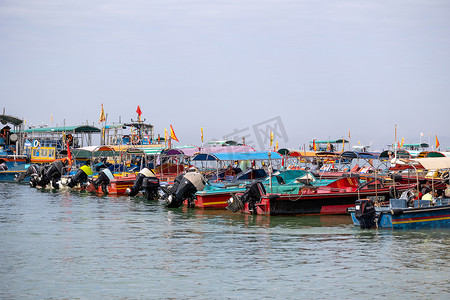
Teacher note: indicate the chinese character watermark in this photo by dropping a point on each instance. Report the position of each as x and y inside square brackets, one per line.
[258, 136]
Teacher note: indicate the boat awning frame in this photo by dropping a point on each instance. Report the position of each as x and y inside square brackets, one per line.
[67, 129]
[231, 156]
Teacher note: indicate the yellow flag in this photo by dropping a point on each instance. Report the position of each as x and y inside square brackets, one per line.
[172, 134]
[165, 134]
[202, 133]
[271, 138]
[403, 140]
[102, 116]
[276, 146]
[51, 118]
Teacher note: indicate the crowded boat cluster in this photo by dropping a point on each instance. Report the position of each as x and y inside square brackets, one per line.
[406, 186]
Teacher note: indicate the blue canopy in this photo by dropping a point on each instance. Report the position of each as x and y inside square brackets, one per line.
[263, 155]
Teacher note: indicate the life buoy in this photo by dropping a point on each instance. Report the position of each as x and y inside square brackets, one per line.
[135, 139]
[35, 143]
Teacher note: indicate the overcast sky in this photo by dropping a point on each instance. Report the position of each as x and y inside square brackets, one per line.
[319, 68]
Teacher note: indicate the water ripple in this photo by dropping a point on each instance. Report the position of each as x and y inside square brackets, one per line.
[75, 245]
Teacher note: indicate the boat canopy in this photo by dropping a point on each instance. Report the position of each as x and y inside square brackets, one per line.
[289, 152]
[224, 143]
[326, 154]
[389, 154]
[152, 150]
[416, 146]
[66, 129]
[183, 150]
[93, 151]
[338, 141]
[434, 163]
[262, 155]
[5, 119]
[356, 155]
[229, 149]
[424, 154]
[297, 153]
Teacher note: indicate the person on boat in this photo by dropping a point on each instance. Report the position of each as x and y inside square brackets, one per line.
[427, 195]
[409, 195]
[447, 191]
[229, 171]
[425, 188]
[5, 132]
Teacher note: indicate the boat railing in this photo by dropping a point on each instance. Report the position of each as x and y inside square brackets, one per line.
[435, 202]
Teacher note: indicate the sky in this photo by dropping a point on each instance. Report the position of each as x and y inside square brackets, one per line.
[305, 69]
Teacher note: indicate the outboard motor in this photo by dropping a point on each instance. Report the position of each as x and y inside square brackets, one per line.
[252, 195]
[365, 213]
[40, 171]
[104, 178]
[32, 169]
[147, 181]
[53, 174]
[171, 190]
[234, 203]
[81, 177]
[186, 188]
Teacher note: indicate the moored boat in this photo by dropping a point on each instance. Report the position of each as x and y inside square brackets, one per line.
[397, 215]
[408, 212]
[334, 198]
[12, 160]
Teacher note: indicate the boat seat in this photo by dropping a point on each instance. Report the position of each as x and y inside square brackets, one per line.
[422, 203]
[398, 203]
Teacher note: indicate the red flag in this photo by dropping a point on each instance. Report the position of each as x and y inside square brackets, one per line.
[437, 142]
[69, 154]
[138, 111]
[172, 134]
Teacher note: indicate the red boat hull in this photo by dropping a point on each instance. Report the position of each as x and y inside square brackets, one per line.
[117, 186]
[216, 201]
[332, 199]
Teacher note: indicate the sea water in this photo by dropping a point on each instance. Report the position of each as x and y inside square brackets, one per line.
[73, 245]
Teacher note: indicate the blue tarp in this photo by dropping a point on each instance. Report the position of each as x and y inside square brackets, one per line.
[263, 155]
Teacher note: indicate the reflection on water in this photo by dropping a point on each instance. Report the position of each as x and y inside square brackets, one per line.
[59, 244]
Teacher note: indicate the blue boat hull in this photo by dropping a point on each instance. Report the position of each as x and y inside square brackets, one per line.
[418, 218]
[10, 174]
[428, 217]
